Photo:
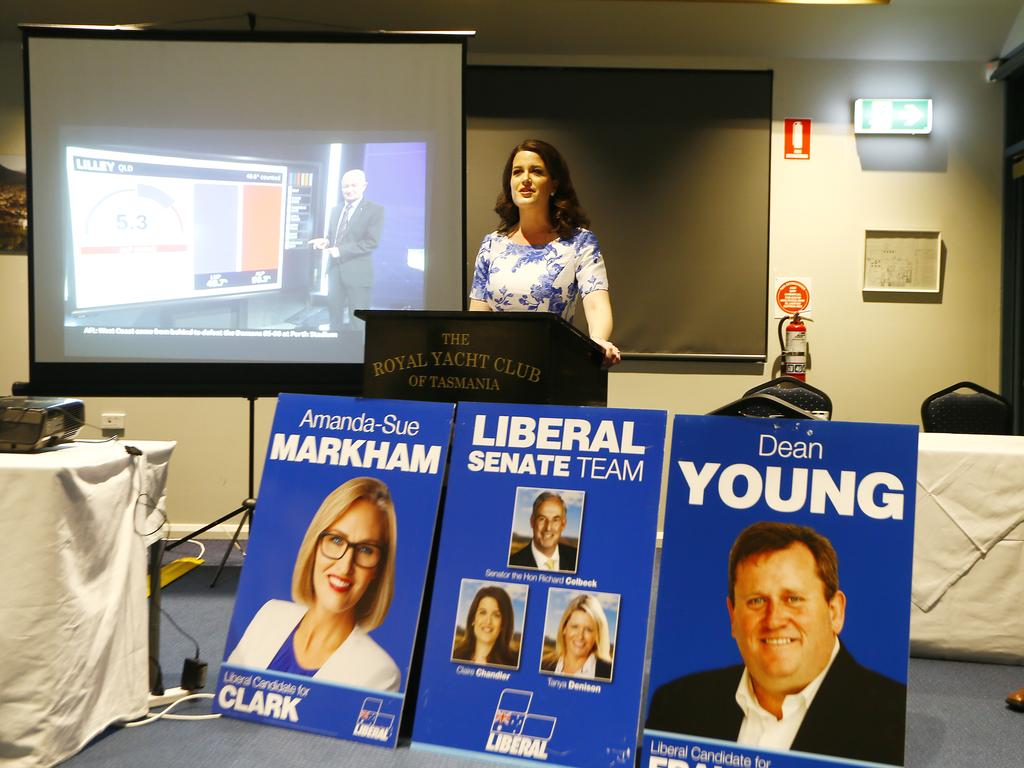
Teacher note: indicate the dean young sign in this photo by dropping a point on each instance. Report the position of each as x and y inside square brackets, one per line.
[782, 628]
[879, 495]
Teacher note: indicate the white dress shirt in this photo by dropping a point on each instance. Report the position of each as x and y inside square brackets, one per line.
[760, 727]
[589, 668]
[542, 560]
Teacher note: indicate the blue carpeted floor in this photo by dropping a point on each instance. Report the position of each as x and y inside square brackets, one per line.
[956, 715]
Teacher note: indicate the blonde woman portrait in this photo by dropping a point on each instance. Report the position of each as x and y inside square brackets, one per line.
[342, 585]
[582, 641]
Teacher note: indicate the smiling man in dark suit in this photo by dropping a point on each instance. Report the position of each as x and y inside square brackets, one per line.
[545, 550]
[353, 233]
[798, 687]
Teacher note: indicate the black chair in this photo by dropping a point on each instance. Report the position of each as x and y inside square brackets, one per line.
[798, 393]
[967, 408]
[763, 406]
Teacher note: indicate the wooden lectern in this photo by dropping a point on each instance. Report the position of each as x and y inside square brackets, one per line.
[497, 357]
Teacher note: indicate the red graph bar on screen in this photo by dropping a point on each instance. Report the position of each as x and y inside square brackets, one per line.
[262, 212]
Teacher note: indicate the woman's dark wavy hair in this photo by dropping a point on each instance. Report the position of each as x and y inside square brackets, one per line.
[501, 653]
[564, 207]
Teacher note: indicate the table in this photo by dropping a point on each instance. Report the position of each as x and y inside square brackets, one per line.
[73, 609]
[968, 584]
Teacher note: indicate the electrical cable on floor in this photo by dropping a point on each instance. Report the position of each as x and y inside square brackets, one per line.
[182, 631]
[198, 543]
[165, 712]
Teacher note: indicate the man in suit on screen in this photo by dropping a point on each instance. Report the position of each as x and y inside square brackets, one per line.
[798, 687]
[545, 550]
[353, 233]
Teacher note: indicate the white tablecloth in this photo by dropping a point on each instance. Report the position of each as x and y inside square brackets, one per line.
[968, 589]
[74, 651]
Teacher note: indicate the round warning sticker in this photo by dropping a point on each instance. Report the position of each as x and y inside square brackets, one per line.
[793, 296]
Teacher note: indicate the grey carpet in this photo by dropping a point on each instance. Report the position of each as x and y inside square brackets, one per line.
[956, 715]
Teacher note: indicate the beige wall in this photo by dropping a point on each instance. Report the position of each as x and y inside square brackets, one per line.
[877, 360]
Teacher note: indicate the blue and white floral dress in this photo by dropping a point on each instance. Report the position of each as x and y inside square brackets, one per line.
[550, 278]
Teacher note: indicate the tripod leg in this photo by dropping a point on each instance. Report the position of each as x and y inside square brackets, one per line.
[227, 553]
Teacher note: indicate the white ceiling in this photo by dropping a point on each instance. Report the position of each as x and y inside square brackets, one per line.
[925, 30]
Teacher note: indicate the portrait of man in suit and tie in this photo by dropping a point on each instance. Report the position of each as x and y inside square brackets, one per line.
[547, 548]
[353, 233]
[798, 687]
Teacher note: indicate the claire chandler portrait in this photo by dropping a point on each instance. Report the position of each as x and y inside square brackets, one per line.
[342, 585]
[489, 635]
[582, 639]
[798, 687]
[549, 519]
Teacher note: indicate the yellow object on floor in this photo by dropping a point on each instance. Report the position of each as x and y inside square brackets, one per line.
[175, 570]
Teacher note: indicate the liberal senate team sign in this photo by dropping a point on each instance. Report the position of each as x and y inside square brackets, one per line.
[538, 617]
[322, 632]
[782, 629]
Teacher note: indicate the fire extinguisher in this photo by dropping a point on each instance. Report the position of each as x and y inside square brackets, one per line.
[794, 347]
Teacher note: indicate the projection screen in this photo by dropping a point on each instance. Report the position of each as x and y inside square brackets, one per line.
[188, 216]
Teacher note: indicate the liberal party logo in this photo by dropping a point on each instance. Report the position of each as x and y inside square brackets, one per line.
[514, 731]
[371, 722]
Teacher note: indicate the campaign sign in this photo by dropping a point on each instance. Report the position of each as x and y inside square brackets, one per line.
[538, 616]
[324, 623]
[783, 619]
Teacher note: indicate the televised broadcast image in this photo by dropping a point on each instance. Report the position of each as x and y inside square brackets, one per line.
[152, 228]
[236, 204]
[219, 249]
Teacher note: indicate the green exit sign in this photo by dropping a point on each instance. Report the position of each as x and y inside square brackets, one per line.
[892, 116]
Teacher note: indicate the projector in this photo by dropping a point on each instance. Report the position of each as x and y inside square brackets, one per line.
[31, 423]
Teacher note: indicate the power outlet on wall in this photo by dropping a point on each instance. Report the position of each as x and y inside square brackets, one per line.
[112, 421]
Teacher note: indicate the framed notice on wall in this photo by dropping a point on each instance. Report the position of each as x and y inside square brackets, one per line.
[902, 261]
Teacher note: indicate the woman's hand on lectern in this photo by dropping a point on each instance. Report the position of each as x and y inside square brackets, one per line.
[612, 356]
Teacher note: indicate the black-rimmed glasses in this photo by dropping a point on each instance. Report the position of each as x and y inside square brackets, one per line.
[334, 545]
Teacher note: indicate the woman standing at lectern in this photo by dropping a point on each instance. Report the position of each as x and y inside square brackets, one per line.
[542, 257]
